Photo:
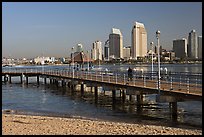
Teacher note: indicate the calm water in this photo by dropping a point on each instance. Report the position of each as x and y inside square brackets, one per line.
[58, 101]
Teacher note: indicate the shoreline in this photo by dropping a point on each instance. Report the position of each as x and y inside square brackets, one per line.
[13, 124]
[116, 63]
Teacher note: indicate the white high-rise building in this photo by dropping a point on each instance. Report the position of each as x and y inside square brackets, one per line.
[180, 48]
[116, 44]
[200, 47]
[96, 52]
[192, 45]
[79, 48]
[139, 41]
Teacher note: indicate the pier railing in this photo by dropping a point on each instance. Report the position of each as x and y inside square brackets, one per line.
[177, 82]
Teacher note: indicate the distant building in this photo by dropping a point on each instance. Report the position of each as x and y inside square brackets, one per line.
[171, 55]
[180, 48]
[62, 60]
[106, 53]
[52, 59]
[81, 58]
[126, 52]
[200, 47]
[116, 43]
[41, 60]
[79, 47]
[160, 49]
[96, 52]
[139, 41]
[192, 45]
[149, 54]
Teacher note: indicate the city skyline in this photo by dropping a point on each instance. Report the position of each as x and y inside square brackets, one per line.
[52, 29]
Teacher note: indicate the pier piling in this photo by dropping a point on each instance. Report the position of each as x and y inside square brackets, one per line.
[123, 96]
[45, 80]
[38, 79]
[26, 79]
[173, 109]
[21, 78]
[96, 94]
[10, 79]
[82, 89]
[114, 95]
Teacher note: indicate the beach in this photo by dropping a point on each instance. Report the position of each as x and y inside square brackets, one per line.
[15, 124]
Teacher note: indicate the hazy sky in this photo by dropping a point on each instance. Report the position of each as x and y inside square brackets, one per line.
[53, 28]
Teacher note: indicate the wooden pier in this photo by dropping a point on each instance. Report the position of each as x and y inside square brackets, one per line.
[170, 91]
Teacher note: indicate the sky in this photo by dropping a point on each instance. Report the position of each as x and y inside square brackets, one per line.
[31, 29]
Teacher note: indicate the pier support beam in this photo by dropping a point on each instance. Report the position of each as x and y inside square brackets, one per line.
[173, 110]
[113, 99]
[113, 96]
[38, 79]
[21, 78]
[72, 88]
[26, 79]
[130, 97]
[9, 79]
[82, 89]
[50, 81]
[69, 84]
[45, 80]
[96, 94]
[57, 83]
[62, 83]
[139, 103]
[123, 96]
[139, 99]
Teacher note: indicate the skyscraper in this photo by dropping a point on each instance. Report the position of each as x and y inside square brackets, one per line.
[96, 51]
[116, 44]
[180, 47]
[192, 45]
[79, 48]
[200, 47]
[139, 41]
[106, 53]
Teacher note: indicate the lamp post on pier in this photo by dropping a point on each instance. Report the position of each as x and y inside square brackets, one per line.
[158, 53]
[73, 61]
[151, 44]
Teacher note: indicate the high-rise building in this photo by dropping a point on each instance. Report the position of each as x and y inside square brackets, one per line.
[79, 48]
[139, 41]
[126, 52]
[106, 53]
[116, 44]
[96, 52]
[180, 48]
[192, 45]
[200, 47]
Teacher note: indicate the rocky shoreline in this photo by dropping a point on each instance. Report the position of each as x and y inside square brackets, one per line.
[13, 124]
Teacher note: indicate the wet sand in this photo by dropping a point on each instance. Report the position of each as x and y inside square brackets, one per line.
[13, 124]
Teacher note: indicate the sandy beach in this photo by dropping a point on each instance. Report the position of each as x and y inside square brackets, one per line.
[13, 124]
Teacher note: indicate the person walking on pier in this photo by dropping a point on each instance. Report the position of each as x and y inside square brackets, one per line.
[130, 75]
